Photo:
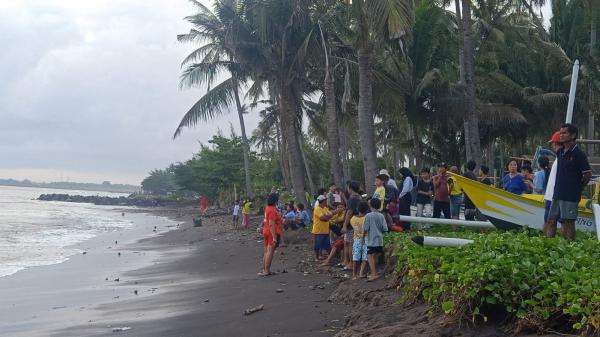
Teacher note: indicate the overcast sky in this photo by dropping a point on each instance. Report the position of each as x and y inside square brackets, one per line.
[89, 89]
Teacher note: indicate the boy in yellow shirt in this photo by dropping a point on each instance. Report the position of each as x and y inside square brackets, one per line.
[320, 230]
[359, 247]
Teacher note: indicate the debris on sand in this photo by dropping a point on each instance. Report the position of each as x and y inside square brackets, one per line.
[278, 290]
[125, 328]
[250, 311]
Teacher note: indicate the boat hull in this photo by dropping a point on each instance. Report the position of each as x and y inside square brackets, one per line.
[510, 211]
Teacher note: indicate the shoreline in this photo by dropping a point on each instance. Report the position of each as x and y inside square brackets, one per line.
[197, 281]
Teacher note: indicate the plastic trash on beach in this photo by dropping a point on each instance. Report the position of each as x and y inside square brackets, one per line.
[125, 328]
[250, 311]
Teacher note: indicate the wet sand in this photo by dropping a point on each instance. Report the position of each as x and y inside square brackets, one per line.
[185, 281]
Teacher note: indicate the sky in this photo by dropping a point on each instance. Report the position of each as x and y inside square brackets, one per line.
[89, 90]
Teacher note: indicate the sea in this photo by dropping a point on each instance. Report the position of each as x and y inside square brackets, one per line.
[37, 233]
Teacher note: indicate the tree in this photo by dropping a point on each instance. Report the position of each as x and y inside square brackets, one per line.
[160, 182]
[471, 123]
[221, 34]
[375, 22]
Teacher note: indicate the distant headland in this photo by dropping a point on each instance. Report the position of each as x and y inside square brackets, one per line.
[105, 186]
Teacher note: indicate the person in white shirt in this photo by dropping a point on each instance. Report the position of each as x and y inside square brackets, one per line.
[236, 214]
[555, 141]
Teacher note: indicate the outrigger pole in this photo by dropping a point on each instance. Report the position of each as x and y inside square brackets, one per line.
[572, 92]
[435, 221]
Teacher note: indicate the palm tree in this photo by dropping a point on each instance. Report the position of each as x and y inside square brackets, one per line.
[375, 21]
[471, 124]
[221, 34]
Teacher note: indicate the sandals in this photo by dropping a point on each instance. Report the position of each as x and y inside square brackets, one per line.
[263, 274]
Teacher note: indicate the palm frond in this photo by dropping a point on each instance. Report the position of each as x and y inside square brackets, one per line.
[213, 104]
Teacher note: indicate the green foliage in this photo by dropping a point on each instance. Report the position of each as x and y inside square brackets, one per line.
[160, 182]
[537, 283]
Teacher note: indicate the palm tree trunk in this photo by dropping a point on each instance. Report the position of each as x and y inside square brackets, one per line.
[245, 144]
[471, 123]
[593, 106]
[332, 129]
[283, 159]
[289, 136]
[461, 70]
[311, 184]
[366, 124]
[345, 151]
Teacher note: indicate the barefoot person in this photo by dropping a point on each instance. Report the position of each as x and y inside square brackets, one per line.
[236, 214]
[320, 229]
[572, 174]
[359, 246]
[374, 226]
[272, 227]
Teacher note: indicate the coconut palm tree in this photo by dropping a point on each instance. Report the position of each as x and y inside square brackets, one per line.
[375, 22]
[220, 34]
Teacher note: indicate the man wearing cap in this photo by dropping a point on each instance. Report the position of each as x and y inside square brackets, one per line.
[441, 200]
[573, 172]
[320, 229]
[388, 180]
[555, 143]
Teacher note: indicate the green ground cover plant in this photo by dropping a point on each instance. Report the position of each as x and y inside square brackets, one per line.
[528, 281]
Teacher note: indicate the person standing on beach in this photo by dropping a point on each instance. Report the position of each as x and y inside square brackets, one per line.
[441, 200]
[424, 190]
[272, 229]
[359, 246]
[203, 205]
[470, 209]
[456, 195]
[514, 182]
[374, 225]
[405, 196]
[549, 194]
[351, 211]
[572, 175]
[540, 180]
[236, 214]
[246, 213]
[320, 229]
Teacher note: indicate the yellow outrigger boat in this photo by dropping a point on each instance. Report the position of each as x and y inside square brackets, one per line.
[510, 211]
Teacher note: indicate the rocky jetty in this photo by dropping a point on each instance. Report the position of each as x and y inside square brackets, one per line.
[141, 201]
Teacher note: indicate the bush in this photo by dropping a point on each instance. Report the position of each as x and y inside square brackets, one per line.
[534, 282]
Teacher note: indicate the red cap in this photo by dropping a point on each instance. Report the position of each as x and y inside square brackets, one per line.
[555, 137]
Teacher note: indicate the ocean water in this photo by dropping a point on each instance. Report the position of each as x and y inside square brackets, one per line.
[37, 233]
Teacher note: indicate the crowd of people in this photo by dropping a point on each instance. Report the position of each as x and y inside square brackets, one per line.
[350, 224]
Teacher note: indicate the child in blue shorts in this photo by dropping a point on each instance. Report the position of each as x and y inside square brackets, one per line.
[359, 247]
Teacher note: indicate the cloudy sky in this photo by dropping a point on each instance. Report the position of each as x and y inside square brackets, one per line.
[89, 89]
[90, 92]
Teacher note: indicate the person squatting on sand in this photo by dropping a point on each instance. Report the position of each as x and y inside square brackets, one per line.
[572, 174]
[272, 229]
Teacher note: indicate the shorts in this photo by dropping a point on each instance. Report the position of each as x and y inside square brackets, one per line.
[268, 239]
[566, 210]
[236, 217]
[338, 244]
[374, 250]
[349, 236]
[359, 251]
[547, 204]
[322, 242]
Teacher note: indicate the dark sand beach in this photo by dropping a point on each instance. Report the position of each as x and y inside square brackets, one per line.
[182, 280]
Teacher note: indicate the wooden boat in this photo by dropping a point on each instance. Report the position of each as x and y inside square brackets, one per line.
[510, 211]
